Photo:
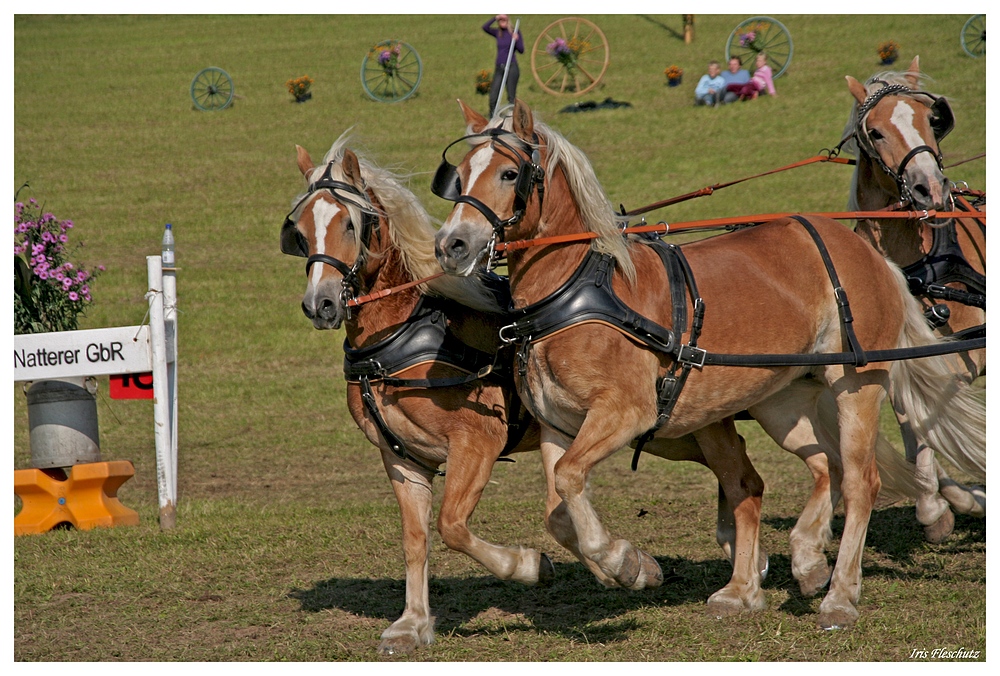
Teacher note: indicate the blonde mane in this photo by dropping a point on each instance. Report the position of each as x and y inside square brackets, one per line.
[595, 208]
[410, 229]
[872, 84]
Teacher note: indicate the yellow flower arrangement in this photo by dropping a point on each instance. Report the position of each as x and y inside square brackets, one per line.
[673, 72]
[888, 51]
[299, 87]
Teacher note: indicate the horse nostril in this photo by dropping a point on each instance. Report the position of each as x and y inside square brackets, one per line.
[327, 309]
[458, 248]
[307, 312]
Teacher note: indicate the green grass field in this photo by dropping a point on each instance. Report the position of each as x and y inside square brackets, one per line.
[287, 538]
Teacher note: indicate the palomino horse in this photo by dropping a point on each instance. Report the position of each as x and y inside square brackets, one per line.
[601, 355]
[895, 130]
[412, 361]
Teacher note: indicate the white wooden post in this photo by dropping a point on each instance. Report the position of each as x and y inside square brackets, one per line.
[165, 472]
[170, 326]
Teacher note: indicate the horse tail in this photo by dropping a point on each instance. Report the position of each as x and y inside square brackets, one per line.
[946, 413]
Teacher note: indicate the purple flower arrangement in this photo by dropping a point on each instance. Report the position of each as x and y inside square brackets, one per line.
[50, 292]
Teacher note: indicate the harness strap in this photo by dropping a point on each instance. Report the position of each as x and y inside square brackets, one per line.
[681, 278]
[395, 445]
[846, 318]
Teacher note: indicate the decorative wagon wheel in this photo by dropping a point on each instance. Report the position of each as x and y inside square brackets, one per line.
[570, 57]
[761, 34]
[212, 89]
[391, 71]
[974, 36]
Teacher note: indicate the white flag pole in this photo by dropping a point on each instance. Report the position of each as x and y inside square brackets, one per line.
[506, 68]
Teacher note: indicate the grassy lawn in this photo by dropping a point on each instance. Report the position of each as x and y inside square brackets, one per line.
[287, 541]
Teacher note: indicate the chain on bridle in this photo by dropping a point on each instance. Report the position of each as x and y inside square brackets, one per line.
[294, 243]
[942, 122]
[447, 184]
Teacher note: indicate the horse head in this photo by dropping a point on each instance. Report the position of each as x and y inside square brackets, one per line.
[897, 128]
[494, 187]
[331, 226]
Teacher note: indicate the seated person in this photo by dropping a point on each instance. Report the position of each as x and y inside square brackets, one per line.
[735, 78]
[763, 78]
[711, 87]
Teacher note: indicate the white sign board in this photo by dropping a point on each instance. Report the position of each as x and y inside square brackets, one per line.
[96, 352]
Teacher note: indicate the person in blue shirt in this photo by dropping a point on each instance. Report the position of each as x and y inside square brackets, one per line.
[735, 78]
[711, 87]
[504, 34]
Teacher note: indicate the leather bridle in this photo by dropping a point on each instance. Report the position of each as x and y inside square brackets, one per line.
[294, 243]
[942, 122]
[447, 184]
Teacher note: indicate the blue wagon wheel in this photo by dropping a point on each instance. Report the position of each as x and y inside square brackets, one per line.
[390, 71]
[212, 89]
[761, 34]
[974, 36]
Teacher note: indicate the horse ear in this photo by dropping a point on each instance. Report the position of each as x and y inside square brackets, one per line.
[304, 161]
[474, 122]
[857, 89]
[913, 74]
[524, 123]
[352, 169]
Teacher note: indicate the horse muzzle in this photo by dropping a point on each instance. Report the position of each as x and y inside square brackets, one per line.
[323, 307]
[459, 249]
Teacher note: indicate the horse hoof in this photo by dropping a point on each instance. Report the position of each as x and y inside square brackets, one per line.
[639, 571]
[720, 608]
[938, 532]
[837, 619]
[546, 571]
[815, 580]
[394, 647]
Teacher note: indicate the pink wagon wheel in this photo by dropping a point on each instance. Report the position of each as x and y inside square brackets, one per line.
[570, 56]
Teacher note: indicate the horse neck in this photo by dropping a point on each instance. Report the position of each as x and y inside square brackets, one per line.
[536, 272]
[375, 321]
[902, 241]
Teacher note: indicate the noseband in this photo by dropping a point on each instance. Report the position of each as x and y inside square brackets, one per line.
[294, 243]
[447, 184]
[942, 122]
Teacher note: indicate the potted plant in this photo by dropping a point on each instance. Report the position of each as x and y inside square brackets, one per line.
[388, 57]
[484, 80]
[567, 52]
[675, 75]
[888, 52]
[50, 294]
[299, 88]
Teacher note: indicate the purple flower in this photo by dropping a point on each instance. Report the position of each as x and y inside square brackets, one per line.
[85, 290]
[73, 296]
[63, 238]
[42, 274]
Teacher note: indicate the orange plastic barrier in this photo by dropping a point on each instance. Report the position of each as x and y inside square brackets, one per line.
[86, 499]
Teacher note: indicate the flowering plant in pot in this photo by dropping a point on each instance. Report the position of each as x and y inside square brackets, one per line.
[51, 293]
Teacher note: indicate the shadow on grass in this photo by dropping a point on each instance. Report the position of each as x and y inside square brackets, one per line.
[574, 605]
[895, 532]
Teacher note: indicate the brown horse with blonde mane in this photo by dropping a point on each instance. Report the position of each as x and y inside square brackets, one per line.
[894, 130]
[600, 332]
[416, 363]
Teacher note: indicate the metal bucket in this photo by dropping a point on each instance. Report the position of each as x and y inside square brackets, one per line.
[62, 417]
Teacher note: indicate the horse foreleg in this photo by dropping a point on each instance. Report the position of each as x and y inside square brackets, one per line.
[413, 493]
[557, 518]
[619, 560]
[858, 403]
[741, 489]
[933, 511]
[470, 464]
[802, 419]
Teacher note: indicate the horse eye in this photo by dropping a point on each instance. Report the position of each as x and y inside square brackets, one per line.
[349, 226]
[509, 175]
[876, 135]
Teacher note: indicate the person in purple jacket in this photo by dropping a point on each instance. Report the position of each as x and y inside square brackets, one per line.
[504, 34]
